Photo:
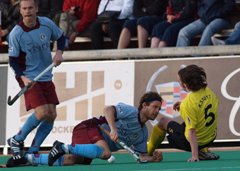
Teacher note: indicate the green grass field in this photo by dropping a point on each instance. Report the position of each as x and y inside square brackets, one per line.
[173, 161]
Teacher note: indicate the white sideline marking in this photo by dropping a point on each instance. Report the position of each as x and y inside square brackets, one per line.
[211, 168]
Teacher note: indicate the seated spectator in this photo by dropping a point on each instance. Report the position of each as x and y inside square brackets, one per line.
[77, 16]
[213, 17]
[10, 17]
[100, 29]
[50, 9]
[4, 5]
[233, 39]
[179, 14]
[146, 14]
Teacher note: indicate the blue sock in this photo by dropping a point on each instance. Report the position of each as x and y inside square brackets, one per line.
[42, 159]
[31, 123]
[59, 161]
[85, 150]
[42, 132]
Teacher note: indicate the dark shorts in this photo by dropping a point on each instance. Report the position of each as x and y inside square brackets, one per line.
[147, 22]
[168, 32]
[177, 139]
[88, 132]
[176, 136]
[40, 94]
[131, 25]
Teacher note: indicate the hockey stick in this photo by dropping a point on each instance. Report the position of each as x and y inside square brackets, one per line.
[24, 89]
[123, 145]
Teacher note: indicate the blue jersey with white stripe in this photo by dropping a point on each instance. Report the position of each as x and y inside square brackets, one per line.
[130, 130]
[32, 47]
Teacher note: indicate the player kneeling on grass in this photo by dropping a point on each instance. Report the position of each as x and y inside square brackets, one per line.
[125, 123]
[199, 111]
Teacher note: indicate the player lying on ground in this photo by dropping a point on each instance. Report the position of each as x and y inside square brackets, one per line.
[124, 122]
[199, 113]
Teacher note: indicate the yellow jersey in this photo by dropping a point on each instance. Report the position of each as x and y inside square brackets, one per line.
[199, 110]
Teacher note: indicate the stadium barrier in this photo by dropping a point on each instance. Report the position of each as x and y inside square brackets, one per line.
[89, 80]
[144, 53]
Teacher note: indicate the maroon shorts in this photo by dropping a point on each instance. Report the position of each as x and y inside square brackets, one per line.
[88, 132]
[40, 94]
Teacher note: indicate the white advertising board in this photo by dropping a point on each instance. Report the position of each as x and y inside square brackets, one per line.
[83, 89]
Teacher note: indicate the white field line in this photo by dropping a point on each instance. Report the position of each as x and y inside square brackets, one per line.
[194, 169]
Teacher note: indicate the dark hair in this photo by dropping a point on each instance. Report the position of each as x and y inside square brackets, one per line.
[36, 2]
[194, 77]
[148, 98]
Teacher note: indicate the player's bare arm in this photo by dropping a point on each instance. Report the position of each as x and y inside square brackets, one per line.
[25, 80]
[176, 106]
[58, 58]
[109, 113]
[194, 145]
[156, 157]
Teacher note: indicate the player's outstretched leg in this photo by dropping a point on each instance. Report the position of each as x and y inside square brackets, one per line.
[17, 151]
[33, 159]
[15, 146]
[16, 142]
[17, 160]
[55, 152]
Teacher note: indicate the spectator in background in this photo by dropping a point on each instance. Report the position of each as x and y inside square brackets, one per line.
[179, 14]
[233, 39]
[77, 16]
[4, 5]
[213, 17]
[146, 14]
[50, 9]
[10, 17]
[113, 28]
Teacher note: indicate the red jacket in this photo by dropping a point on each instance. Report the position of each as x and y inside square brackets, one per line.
[87, 13]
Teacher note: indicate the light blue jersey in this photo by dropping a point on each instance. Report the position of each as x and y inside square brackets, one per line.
[32, 47]
[130, 130]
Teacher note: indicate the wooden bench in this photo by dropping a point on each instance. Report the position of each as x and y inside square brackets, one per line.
[84, 43]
